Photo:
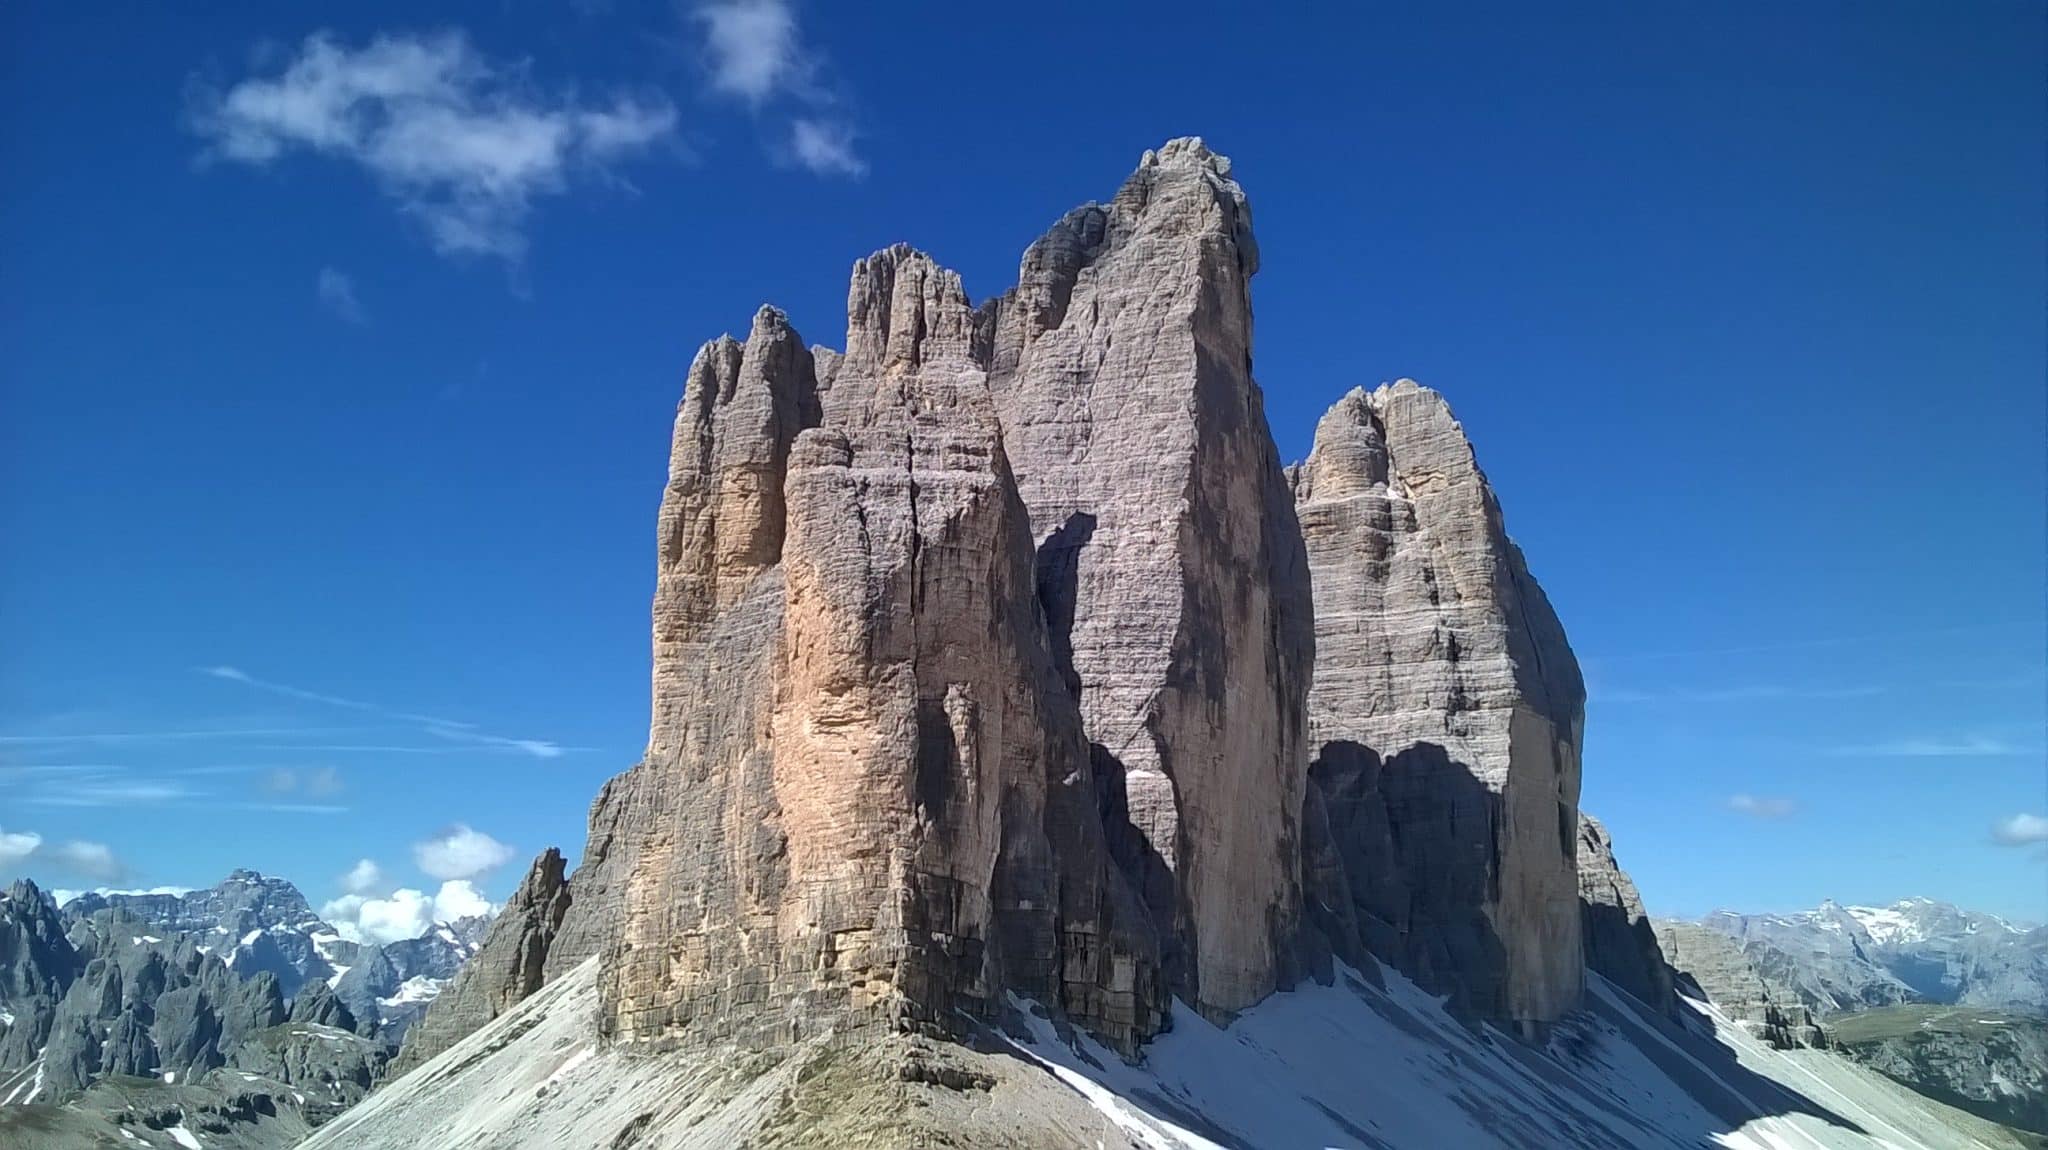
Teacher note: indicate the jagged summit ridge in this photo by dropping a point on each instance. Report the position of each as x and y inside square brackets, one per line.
[986, 662]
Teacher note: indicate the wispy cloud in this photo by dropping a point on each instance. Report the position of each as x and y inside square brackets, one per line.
[113, 794]
[1975, 747]
[1817, 642]
[293, 808]
[93, 860]
[17, 846]
[2020, 830]
[1761, 807]
[824, 147]
[337, 293]
[754, 51]
[1740, 693]
[318, 782]
[88, 859]
[463, 144]
[166, 736]
[459, 853]
[448, 729]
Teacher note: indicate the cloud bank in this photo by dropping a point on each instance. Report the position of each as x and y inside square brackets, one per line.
[462, 144]
[460, 853]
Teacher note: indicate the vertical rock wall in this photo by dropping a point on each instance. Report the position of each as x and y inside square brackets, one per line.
[983, 657]
[1445, 718]
[1171, 567]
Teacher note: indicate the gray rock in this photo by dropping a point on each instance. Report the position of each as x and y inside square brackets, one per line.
[1713, 966]
[37, 966]
[1171, 568]
[1618, 940]
[1446, 716]
[509, 965]
[316, 1004]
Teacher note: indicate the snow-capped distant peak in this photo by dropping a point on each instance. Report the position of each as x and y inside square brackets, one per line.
[1887, 925]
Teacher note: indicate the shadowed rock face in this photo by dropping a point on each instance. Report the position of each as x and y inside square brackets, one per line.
[1121, 364]
[982, 662]
[1445, 716]
[1620, 943]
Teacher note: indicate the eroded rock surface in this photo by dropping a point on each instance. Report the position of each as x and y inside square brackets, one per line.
[1170, 563]
[1719, 971]
[1619, 941]
[509, 966]
[1445, 719]
[982, 663]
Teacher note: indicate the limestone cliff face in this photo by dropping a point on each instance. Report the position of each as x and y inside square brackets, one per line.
[982, 662]
[1170, 564]
[1445, 717]
[866, 797]
[1619, 942]
[508, 967]
[1711, 965]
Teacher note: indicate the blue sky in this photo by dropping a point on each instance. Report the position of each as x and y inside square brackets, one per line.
[340, 352]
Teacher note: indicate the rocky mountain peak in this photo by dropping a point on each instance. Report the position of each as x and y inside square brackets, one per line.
[1445, 719]
[983, 664]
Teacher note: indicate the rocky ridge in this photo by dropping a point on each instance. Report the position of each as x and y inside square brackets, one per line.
[1847, 958]
[997, 655]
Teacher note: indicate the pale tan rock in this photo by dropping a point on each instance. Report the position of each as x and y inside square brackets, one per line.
[1446, 713]
[1170, 564]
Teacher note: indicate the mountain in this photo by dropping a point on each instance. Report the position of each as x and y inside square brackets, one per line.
[1034, 761]
[258, 923]
[253, 922]
[393, 983]
[128, 1023]
[1845, 958]
[233, 1013]
[1991, 1063]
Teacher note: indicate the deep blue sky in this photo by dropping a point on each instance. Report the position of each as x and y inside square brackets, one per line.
[1742, 305]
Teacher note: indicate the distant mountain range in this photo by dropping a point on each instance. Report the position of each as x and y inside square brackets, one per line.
[1838, 959]
[217, 996]
[273, 928]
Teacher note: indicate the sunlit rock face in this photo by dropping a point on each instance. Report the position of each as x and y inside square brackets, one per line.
[1170, 563]
[1445, 718]
[983, 656]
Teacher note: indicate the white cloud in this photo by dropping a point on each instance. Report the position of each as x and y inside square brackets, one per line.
[363, 877]
[1761, 807]
[459, 898]
[756, 53]
[113, 794]
[1968, 748]
[824, 147]
[16, 846]
[318, 782]
[2020, 830]
[450, 729]
[405, 913]
[337, 293]
[1739, 693]
[462, 144]
[753, 49]
[460, 853]
[93, 860]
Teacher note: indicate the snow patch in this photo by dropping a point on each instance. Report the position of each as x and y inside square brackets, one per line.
[184, 1137]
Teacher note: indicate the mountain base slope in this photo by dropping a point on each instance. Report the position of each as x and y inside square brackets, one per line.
[1348, 1064]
